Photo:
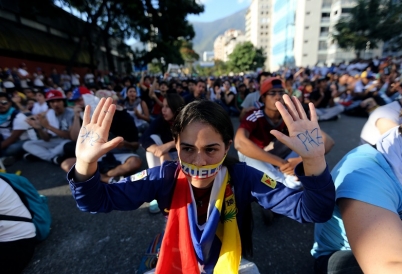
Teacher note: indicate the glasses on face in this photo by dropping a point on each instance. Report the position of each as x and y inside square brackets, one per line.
[4, 103]
[275, 92]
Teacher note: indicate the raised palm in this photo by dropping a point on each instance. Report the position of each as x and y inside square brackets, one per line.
[92, 140]
[305, 136]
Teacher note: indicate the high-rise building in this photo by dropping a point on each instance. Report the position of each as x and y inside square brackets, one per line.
[208, 56]
[341, 9]
[226, 43]
[300, 30]
[258, 18]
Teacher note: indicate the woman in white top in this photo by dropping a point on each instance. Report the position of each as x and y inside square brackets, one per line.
[138, 109]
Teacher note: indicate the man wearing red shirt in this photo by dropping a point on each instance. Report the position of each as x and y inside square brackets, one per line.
[259, 148]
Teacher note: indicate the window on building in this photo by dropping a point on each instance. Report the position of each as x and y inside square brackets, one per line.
[306, 27]
[346, 10]
[336, 12]
[305, 55]
[324, 29]
[308, 13]
[325, 14]
[305, 41]
[322, 45]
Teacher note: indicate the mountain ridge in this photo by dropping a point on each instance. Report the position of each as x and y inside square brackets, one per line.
[206, 32]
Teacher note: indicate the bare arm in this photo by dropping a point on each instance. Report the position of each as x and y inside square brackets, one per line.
[243, 144]
[159, 151]
[328, 142]
[15, 135]
[384, 124]
[76, 126]
[229, 98]
[375, 236]
[145, 115]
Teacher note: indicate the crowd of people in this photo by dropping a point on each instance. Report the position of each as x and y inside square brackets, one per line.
[183, 124]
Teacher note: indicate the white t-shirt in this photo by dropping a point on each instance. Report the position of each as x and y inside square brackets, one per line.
[18, 124]
[11, 204]
[89, 78]
[23, 82]
[38, 108]
[75, 79]
[370, 133]
[38, 81]
[252, 100]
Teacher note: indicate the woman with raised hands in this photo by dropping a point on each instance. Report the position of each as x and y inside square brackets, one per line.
[206, 195]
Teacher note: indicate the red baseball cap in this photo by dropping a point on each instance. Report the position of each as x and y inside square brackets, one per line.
[54, 94]
[271, 83]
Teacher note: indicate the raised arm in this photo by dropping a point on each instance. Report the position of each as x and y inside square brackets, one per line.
[92, 139]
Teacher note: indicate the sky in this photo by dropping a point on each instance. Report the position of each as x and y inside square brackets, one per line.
[213, 10]
[216, 9]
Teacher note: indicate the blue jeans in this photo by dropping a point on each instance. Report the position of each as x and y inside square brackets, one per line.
[14, 149]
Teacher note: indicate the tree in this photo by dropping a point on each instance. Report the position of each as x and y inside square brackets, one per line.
[245, 57]
[158, 23]
[188, 54]
[370, 22]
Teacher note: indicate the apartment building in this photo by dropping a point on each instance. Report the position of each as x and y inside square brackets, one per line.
[226, 43]
[341, 9]
[300, 30]
[258, 27]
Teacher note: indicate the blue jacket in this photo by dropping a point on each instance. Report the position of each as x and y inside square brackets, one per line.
[313, 204]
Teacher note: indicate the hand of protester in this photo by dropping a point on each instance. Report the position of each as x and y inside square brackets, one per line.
[305, 137]
[160, 150]
[289, 167]
[33, 122]
[92, 140]
[43, 120]
[77, 110]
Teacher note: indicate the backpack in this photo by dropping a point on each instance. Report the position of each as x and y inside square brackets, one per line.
[34, 202]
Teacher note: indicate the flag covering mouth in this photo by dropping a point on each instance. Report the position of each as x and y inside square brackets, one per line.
[203, 172]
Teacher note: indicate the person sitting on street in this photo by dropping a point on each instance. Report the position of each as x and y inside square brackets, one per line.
[259, 148]
[158, 140]
[198, 92]
[138, 109]
[324, 102]
[121, 161]
[14, 131]
[364, 234]
[53, 129]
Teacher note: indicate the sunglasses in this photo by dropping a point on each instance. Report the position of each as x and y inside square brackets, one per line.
[4, 103]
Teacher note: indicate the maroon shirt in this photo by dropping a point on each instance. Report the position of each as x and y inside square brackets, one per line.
[259, 127]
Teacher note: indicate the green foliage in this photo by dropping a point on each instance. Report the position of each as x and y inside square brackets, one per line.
[370, 21]
[160, 23]
[187, 52]
[245, 57]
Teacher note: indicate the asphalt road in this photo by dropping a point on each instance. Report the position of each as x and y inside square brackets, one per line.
[115, 242]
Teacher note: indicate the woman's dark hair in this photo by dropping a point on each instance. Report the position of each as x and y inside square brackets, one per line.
[175, 102]
[6, 95]
[130, 87]
[207, 112]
